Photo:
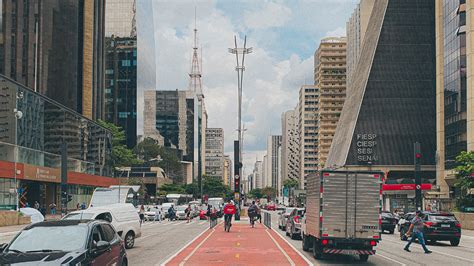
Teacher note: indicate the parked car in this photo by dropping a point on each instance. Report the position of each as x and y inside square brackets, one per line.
[293, 223]
[283, 217]
[443, 227]
[122, 216]
[150, 213]
[271, 206]
[181, 212]
[389, 222]
[71, 242]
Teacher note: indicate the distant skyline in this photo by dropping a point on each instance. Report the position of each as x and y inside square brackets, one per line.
[284, 36]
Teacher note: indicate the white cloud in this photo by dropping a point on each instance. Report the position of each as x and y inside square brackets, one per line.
[271, 15]
[338, 32]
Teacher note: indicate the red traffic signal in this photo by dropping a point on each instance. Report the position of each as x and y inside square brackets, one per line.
[418, 155]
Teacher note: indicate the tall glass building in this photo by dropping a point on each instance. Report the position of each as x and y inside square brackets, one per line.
[33, 129]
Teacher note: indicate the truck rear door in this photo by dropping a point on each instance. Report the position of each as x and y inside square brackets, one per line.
[368, 205]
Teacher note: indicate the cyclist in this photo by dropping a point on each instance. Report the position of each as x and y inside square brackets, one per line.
[229, 210]
[253, 213]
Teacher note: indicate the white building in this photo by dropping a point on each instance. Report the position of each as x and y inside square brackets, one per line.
[258, 174]
[215, 152]
[273, 162]
[290, 146]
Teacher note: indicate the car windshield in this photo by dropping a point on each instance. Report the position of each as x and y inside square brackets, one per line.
[443, 218]
[55, 238]
[182, 208]
[79, 216]
[300, 212]
[387, 215]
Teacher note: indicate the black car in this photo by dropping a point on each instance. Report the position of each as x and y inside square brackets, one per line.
[443, 227]
[71, 242]
[389, 222]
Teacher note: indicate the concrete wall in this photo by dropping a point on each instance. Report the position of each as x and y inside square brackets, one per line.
[466, 220]
[12, 218]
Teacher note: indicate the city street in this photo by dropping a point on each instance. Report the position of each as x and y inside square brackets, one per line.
[390, 252]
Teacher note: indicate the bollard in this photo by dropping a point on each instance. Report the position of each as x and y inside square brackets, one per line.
[267, 220]
[212, 222]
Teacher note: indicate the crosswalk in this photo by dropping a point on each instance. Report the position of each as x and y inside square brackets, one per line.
[173, 223]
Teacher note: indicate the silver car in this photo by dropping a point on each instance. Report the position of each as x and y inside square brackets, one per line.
[283, 217]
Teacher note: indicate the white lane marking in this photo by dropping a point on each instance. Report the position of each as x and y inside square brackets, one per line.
[183, 248]
[390, 259]
[178, 223]
[439, 252]
[9, 233]
[196, 248]
[281, 249]
[449, 255]
[294, 248]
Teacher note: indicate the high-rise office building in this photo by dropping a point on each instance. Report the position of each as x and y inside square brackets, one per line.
[273, 162]
[307, 109]
[393, 102]
[330, 78]
[290, 149]
[227, 170]
[120, 18]
[258, 174]
[454, 79]
[264, 171]
[215, 159]
[121, 85]
[56, 48]
[356, 28]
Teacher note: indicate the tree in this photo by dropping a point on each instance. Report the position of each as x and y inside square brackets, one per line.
[465, 180]
[155, 155]
[192, 189]
[290, 183]
[121, 155]
[214, 187]
[171, 189]
[269, 192]
[256, 193]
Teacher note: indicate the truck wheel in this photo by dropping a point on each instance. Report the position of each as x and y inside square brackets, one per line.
[317, 252]
[454, 242]
[305, 243]
[391, 231]
[363, 257]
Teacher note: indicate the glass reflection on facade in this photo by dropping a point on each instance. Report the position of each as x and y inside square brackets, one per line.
[41, 128]
[119, 18]
[454, 79]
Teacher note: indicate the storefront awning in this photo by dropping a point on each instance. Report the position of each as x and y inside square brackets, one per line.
[396, 187]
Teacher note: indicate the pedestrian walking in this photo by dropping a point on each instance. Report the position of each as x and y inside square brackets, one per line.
[52, 208]
[83, 206]
[417, 225]
[158, 214]
[37, 205]
[142, 214]
[188, 213]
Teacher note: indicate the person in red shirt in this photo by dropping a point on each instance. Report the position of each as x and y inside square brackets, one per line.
[229, 210]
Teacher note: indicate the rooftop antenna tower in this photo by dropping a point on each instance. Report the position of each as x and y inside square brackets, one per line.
[195, 83]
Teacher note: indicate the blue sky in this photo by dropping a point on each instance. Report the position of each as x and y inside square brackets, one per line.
[284, 35]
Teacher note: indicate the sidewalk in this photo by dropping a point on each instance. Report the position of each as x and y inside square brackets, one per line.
[13, 229]
[243, 245]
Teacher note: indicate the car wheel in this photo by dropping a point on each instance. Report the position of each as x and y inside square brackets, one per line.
[292, 235]
[454, 242]
[124, 262]
[363, 257]
[129, 240]
[317, 253]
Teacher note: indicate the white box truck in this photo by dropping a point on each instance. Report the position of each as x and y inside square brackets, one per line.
[343, 211]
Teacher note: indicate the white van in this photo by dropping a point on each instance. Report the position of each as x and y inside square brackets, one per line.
[123, 217]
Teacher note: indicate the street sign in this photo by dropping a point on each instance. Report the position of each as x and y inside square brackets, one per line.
[237, 196]
[236, 177]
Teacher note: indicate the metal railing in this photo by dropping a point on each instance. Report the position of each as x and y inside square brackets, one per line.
[267, 219]
[213, 222]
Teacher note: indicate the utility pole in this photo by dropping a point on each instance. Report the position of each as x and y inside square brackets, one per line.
[240, 68]
[417, 161]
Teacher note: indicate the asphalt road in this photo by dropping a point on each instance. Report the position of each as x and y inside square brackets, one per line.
[390, 252]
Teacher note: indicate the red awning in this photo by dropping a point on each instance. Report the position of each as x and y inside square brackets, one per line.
[388, 187]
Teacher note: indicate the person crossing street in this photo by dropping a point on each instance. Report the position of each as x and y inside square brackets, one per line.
[417, 225]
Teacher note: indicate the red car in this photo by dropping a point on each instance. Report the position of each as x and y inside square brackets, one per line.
[271, 207]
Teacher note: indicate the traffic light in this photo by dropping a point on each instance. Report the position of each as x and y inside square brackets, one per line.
[69, 198]
[236, 183]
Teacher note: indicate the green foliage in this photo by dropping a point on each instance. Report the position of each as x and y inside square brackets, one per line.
[269, 192]
[465, 182]
[192, 189]
[149, 150]
[214, 187]
[255, 193]
[171, 189]
[290, 183]
[121, 155]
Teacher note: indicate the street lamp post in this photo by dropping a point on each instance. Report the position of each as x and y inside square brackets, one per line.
[18, 115]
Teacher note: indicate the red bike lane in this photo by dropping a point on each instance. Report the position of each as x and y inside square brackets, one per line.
[243, 245]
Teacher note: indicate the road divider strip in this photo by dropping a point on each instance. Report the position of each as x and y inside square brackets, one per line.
[292, 263]
[390, 259]
[296, 250]
[196, 248]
